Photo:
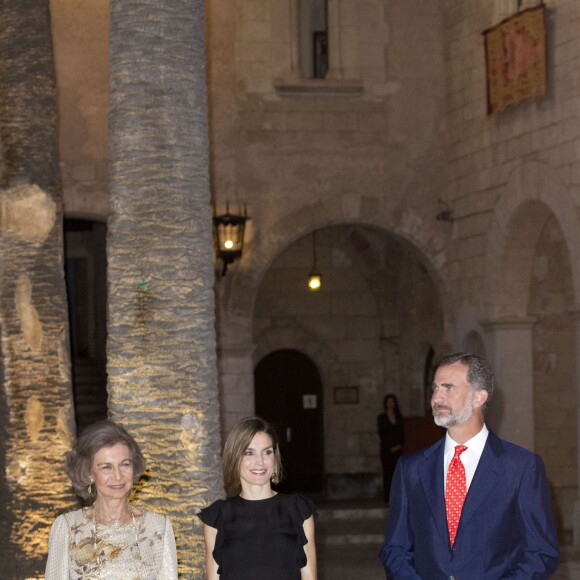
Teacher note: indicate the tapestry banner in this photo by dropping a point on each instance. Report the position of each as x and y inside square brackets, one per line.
[515, 54]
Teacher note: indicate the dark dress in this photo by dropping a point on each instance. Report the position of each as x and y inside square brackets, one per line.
[259, 539]
[390, 436]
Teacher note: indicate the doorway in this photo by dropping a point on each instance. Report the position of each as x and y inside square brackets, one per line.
[86, 282]
[288, 394]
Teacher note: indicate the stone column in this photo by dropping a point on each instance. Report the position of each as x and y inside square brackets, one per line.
[236, 381]
[512, 407]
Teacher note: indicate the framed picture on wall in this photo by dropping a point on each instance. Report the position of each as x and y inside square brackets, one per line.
[515, 55]
[346, 395]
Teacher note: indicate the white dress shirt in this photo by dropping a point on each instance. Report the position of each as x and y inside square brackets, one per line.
[469, 458]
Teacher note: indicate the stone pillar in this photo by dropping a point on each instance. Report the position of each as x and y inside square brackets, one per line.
[512, 407]
[576, 316]
[236, 380]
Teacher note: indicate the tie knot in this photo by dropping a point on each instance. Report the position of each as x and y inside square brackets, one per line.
[459, 449]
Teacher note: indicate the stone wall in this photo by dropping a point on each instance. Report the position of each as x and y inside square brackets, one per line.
[554, 368]
[513, 188]
[486, 151]
[81, 38]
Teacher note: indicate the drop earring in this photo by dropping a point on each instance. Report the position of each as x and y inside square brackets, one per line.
[90, 489]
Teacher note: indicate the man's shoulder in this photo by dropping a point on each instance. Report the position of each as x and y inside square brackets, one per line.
[512, 450]
[423, 453]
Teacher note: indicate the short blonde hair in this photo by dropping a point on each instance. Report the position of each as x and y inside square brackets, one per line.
[236, 444]
[91, 440]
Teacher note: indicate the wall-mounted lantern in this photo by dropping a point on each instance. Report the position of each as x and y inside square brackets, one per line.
[228, 236]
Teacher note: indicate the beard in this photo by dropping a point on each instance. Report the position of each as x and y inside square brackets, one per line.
[453, 419]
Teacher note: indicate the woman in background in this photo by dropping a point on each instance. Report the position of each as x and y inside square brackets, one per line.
[110, 538]
[392, 437]
[257, 533]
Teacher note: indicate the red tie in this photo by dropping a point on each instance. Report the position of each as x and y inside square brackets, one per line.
[455, 492]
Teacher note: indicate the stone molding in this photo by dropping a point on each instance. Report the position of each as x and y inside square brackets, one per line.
[509, 323]
[318, 88]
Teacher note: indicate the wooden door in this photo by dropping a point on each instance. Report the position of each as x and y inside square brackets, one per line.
[288, 394]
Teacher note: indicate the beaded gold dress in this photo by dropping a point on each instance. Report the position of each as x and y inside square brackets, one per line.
[143, 549]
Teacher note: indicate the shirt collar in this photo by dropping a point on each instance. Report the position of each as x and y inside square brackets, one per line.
[475, 444]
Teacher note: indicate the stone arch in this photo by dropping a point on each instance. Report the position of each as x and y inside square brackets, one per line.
[275, 338]
[241, 292]
[469, 331]
[475, 344]
[533, 191]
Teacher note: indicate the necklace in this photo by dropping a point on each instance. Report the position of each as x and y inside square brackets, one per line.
[116, 523]
[112, 521]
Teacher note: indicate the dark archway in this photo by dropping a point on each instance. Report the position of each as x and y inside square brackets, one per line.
[288, 394]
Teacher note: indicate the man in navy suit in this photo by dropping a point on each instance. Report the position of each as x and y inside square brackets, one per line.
[506, 525]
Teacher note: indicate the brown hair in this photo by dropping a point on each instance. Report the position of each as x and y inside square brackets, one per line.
[236, 444]
[479, 373]
[91, 440]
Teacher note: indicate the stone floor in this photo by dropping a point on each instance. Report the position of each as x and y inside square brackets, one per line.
[361, 562]
[349, 536]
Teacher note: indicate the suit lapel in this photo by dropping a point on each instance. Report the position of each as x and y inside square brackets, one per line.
[431, 475]
[486, 477]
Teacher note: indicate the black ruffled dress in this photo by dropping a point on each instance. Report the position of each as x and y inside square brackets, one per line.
[259, 539]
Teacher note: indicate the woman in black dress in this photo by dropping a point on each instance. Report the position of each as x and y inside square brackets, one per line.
[392, 437]
[257, 533]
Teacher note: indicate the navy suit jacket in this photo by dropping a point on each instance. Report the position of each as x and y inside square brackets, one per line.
[506, 528]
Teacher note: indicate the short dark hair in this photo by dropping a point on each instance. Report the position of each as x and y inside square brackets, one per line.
[479, 373]
[91, 440]
[235, 446]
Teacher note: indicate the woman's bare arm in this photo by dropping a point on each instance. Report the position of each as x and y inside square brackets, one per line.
[211, 567]
[309, 571]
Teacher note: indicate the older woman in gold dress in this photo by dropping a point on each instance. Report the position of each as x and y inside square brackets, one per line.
[110, 538]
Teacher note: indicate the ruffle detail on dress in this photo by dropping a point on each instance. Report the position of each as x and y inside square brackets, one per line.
[212, 516]
[304, 508]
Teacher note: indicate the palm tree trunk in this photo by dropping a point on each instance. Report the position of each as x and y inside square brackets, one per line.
[161, 341]
[36, 415]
